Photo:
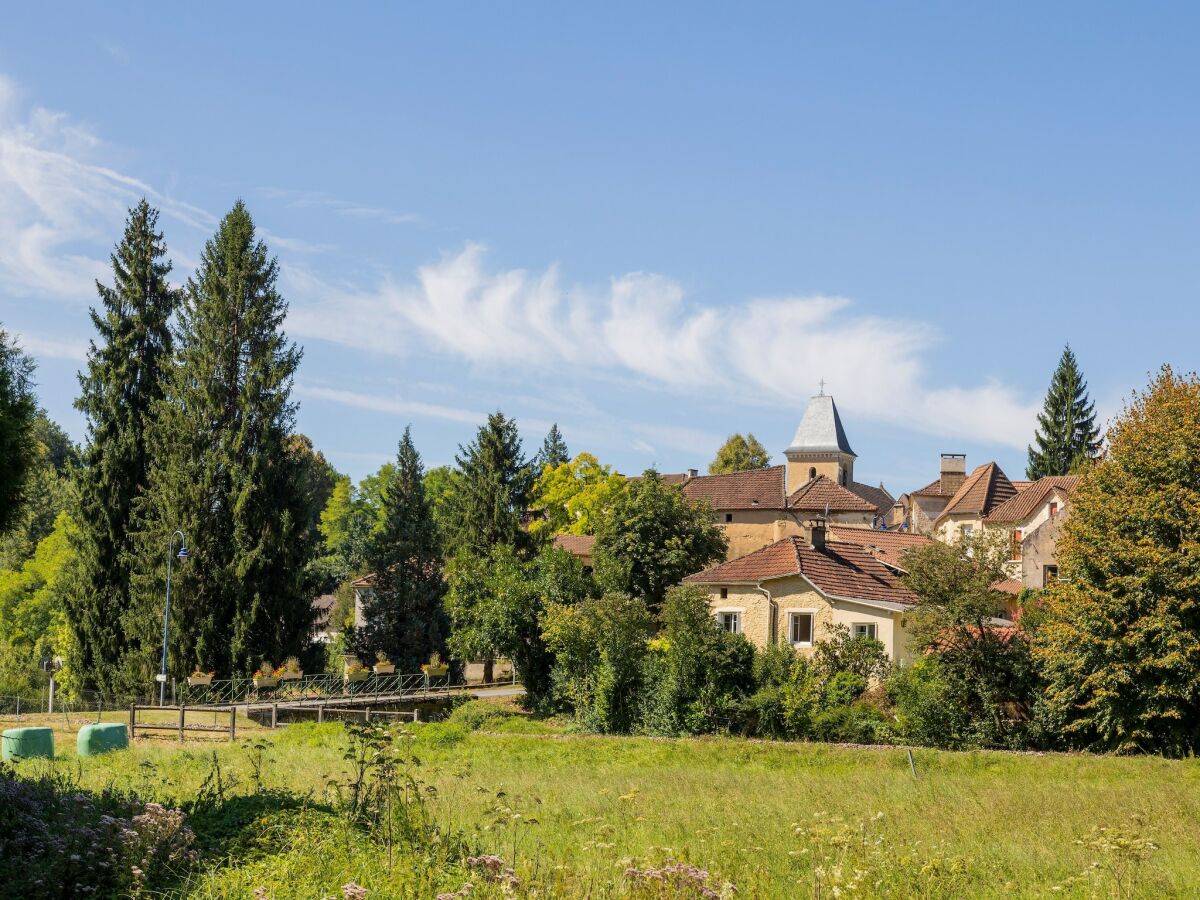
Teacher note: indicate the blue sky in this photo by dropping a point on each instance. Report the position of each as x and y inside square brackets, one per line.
[654, 226]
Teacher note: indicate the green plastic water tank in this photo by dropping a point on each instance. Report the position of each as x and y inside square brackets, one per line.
[101, 737]
[23, 743]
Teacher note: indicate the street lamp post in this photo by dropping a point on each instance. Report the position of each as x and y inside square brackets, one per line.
[182, 555]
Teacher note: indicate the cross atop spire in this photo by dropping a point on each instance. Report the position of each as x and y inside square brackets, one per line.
[822, 384]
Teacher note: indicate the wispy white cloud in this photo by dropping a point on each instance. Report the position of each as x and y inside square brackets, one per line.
[52, 348]
[59, 210]
[642, 326]
[321, 200]
[392, 405]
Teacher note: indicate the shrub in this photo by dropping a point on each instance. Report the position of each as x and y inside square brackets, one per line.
[928, 707]
[844, 688]
[56, 840]
[855, 723]
[477, 714]
[784, 702]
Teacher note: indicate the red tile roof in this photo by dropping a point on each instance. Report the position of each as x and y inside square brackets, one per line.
[876, 496]
[823, 493]
[941, 488]
[1009, 586]
[1028, 501]
[753, 489]
[985, 489]
[841, 569]
[576, 544]
[888, 547]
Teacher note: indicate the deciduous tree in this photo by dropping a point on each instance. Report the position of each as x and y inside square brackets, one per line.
[739, 454]
[652, 538]
[573, 497]
[1120, 640]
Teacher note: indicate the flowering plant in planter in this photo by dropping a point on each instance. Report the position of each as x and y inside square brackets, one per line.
[383, 666]
[355, 670]
[199, 678]
[435, 668]
[290, 671]
[265, 676]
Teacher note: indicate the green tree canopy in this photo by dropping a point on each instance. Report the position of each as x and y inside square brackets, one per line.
[1120, 640]
[403, 613]
[739, 454]
[1067, 436]
[492, 492]
[574, 496]
[497, 604]
[50, 490]
[121, 387]
[554, 450]
[987, 669]
[18, 407]
[223, 474]
[652, 538]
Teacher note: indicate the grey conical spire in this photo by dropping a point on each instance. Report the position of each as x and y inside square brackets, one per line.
[821, 429]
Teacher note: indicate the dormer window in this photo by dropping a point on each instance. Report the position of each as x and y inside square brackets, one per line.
[812, 472]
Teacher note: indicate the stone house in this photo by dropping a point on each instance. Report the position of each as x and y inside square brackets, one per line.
[918, 510]
[761, 506]
[1033, 519]
[981, 493]
[795, 590]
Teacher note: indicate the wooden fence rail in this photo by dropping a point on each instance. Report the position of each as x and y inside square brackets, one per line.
[180, 726]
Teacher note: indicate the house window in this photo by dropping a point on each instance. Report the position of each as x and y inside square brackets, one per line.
[1053, 510]
[800, 629]
[724, 593]
[966, 530]
[731, 621]
[1049, 575]
[728, 517]
[812, 472]
[863, 629]
[1017, 536]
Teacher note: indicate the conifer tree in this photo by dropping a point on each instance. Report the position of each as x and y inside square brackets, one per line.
[120, 390]
[18, 408]
[404, 615]
[554, 450]
[1067, 434]
[493, 492]
[223, 474]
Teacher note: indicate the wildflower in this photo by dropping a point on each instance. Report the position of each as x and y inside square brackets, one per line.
[352, 891]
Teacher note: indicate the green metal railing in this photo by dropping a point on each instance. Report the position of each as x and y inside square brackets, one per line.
[226, 691]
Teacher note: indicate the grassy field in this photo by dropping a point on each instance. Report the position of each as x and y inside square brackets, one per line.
[571, 814]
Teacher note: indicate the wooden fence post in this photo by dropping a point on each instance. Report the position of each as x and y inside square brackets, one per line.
[232, 723]
[320, 713]
[274, 714]
[132, 719]
[181, 715]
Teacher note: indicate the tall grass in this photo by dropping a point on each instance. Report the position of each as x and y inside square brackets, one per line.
[520, 807]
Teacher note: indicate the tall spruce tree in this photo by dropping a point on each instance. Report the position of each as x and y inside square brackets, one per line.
[404, 615]
[18, 409]
[223, 474]
[120, 391]
[493, 492]
[1067, 434]
[554, 450]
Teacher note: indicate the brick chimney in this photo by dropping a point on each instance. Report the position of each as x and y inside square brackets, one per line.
[953, 472]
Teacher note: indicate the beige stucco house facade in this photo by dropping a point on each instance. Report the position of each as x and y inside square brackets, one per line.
[982, 492]
[1033, 520]
[795, 590]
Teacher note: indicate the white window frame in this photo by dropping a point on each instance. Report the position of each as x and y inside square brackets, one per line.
[873, 626]
[812, 633]
[720, 614]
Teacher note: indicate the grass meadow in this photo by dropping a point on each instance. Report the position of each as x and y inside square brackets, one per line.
[581, 815]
